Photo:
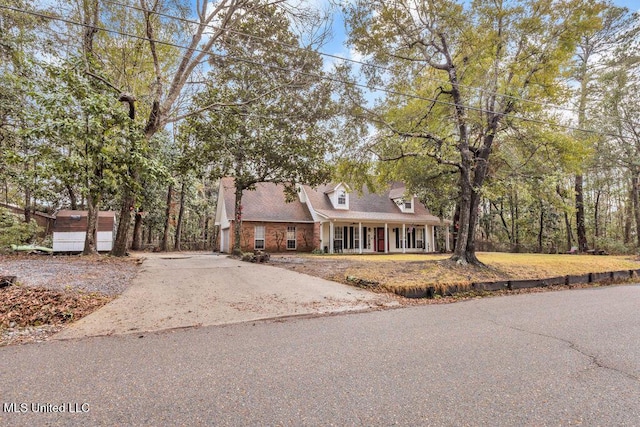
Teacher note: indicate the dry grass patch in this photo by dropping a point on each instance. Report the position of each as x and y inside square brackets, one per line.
[412, 271]
[540, 266]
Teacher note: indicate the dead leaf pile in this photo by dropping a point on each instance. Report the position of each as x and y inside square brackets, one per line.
[22, 306]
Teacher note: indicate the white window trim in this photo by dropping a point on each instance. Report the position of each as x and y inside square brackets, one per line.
[256, 237]
[419, 237]
[356, 238]
[342, 198]
[340, 194]
[294, 240]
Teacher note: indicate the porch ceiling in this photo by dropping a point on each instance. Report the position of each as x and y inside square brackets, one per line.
[380, 217]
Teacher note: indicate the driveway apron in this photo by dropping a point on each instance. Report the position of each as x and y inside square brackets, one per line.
[187, 290]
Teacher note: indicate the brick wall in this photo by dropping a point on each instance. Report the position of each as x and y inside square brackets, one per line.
[307, 236]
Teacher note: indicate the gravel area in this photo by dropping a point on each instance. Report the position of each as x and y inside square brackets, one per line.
[104, 274]
[61, 282]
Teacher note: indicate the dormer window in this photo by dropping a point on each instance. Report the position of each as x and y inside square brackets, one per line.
[342, 198]
[339, 196]
[406, 206]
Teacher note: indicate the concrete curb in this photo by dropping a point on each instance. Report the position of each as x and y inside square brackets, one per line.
[600, 277]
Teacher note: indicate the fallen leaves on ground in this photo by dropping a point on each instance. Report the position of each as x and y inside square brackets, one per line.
[55, 290]
[22, 306]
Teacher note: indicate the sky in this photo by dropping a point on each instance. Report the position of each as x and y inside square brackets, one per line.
[337, 45]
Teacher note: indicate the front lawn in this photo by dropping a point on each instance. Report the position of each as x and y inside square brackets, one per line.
[394, 271]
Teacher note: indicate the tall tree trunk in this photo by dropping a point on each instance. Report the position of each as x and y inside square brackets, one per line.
[516, 224]
[479, 175]
[596, 213]
[628, 214]
[515, 220]
[178, 239]
[27, 205]
[567, 221]
[579, 190]
[122, 234]
[503, 221]
[91, 238]
[456, 225]
[205, 233]
[635, 183]
[73, 199]
[583, 245]
[460, 250]
[512, 206]
[164, 246]
[91, 12]
[237, 223]
[129, 197]
[541, 227]
[473, 224]
[136, 245]
[149, 234]
[567, 224]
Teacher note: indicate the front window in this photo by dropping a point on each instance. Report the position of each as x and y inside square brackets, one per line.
[337, 239]
[356, 237]
[291, 237]
[407, 204]
[342, 198]
[258, 237]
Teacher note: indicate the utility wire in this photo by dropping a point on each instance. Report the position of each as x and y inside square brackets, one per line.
[340, 58]
[308, 74]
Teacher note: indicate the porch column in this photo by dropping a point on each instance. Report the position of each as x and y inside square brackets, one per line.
[321, 236]
[427, 244]
[433, 237]
[360, 239]
[404, 238]
[446, 236]
[331, 237]
[386, 238]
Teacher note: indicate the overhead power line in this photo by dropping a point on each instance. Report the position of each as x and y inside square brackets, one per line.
[304, 73]
[341, 58]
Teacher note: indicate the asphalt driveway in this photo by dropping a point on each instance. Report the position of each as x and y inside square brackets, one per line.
[188, 290]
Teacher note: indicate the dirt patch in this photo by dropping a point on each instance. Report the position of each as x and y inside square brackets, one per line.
[53, 291]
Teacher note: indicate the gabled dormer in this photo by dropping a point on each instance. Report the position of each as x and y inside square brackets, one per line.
[339, 196]
[404, 203]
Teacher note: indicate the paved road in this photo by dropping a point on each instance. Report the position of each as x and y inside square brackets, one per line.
[179, 291]
[561, 358]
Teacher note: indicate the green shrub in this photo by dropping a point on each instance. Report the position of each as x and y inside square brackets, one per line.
[615, 246]
[15, 232]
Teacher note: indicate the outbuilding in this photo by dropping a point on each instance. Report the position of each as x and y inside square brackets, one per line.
[70, 231]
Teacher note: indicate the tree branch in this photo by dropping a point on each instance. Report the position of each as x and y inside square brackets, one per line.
[103, 80]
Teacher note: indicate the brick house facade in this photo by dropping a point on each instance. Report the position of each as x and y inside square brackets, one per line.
[331, 218]
[276, 236]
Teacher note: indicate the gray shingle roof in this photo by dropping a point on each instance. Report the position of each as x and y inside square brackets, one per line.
[266, 203]
[369, 206]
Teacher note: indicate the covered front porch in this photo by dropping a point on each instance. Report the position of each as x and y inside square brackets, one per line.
[376, 237]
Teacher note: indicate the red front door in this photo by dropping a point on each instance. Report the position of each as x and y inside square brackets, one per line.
[380, 239]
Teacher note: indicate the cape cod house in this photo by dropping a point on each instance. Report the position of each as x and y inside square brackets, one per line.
[332, 218]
